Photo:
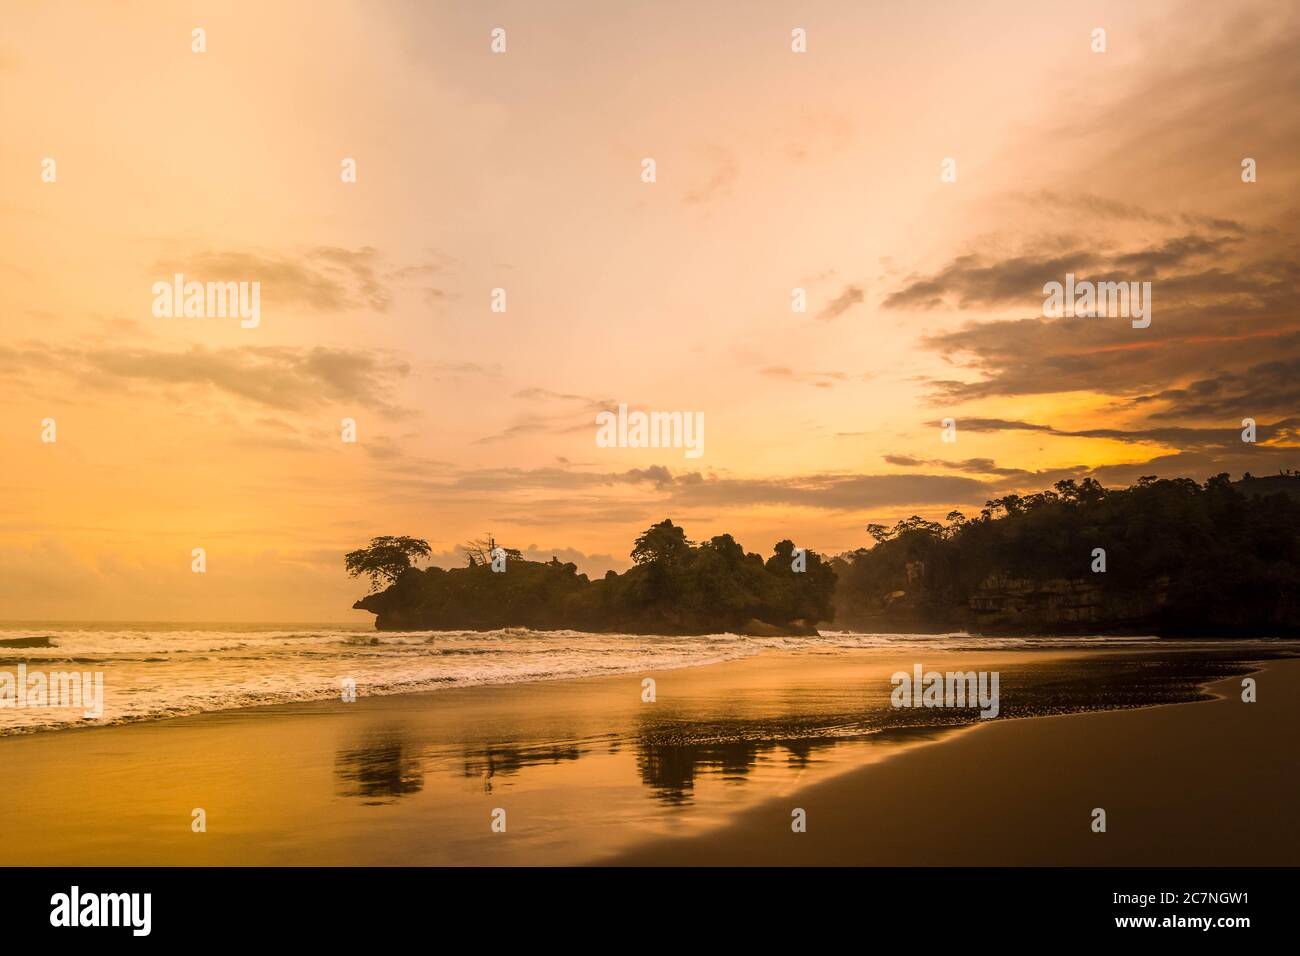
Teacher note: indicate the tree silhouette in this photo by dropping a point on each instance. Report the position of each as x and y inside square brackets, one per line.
[386, 559]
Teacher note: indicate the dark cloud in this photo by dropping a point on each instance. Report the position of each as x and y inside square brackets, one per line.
[659, 474]
[975, 466]
[970, 281]
[1222, 256]
[1228, 435]
[996, 425]
[973, 281]
[1229, 317]
[1269, 388]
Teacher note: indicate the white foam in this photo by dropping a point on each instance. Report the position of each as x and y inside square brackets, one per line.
[149, 674]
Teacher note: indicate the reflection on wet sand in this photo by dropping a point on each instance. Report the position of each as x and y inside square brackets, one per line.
[504, 761]
[670, 769]
[671, 753]
[390, 767]
[379, 771]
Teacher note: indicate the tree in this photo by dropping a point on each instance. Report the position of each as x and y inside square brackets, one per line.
[481, 551]
[879, 532]
[386, 559]
[662, 544]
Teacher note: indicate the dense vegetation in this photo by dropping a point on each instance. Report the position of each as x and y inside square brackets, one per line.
[674, 587]
[1181, 558]
[386, 559]
[1215, 559]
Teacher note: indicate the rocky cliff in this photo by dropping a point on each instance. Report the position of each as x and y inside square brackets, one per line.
[1008, 605]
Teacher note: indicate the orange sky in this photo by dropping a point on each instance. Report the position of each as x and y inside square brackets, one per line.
[521, 170]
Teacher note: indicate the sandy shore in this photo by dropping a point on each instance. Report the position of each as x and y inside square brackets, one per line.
[708, 774]
[1207, 783]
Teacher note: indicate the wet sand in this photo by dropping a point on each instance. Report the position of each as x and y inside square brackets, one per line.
[1197, 784]
[587, 771]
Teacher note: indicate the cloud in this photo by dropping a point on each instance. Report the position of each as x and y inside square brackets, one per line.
[597, 490]
[1228, 435]
[1236, 313]
[998, 425]
[658, 474]
[1101, 207]
[846, 300]
[321, 279]
[1164, 204]
[524, 479]
[280, 377]
[579, 412]
[1234, 460]
[382, 447]
[977, 466]
[1268, 388]
[815, 379]
[1215, 77]
[827, 491]
[974, 281]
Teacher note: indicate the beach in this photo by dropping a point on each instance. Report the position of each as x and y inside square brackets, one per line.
[572, 771]
[1199, 784]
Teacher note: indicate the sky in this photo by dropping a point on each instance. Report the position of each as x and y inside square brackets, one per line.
[523, 170]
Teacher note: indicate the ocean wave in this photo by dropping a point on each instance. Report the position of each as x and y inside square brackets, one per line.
[153, 674]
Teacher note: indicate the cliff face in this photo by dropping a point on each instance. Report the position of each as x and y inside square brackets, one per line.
[1165, 556]
[1003, 604]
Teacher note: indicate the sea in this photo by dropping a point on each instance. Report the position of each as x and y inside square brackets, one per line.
[159, 670]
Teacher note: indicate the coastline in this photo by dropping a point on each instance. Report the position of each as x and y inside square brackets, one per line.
[1204, 783]
[591, 774]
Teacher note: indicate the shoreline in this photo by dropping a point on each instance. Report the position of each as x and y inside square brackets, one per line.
[1129, 762]
[589, 772]
[428, 691]
[192, 673]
